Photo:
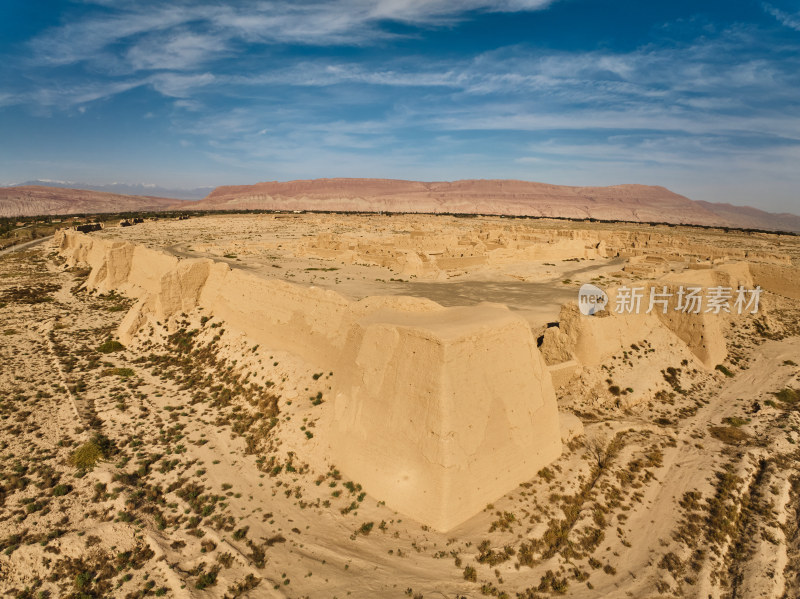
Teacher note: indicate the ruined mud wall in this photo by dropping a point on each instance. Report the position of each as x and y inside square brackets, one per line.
[592, 340]
[464, 389]
[781, 280]
[438, 411]
[427, 253]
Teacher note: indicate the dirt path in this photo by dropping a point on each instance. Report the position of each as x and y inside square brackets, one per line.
[26, 245]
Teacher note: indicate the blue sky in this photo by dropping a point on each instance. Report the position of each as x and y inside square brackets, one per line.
[702, 97]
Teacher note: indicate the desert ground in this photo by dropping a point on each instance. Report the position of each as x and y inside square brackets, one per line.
[220, 406]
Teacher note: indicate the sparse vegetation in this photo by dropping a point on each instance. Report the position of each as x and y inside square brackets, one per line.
[724, 370]
[732, 435]
[110, 346]
[98, 448]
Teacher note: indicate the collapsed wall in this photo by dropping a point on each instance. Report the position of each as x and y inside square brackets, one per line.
[427, 253]
[437, 411]
[591, 341]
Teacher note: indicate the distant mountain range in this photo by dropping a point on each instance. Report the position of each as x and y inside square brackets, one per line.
[636, 203]
[131, 189]
[36, 200]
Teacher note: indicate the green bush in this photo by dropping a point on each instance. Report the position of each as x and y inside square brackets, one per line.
[61, 490]
[83, 579]
[110, 346]
[207, 579]
[121, 372]
[87, 455]
[788, 395]
[724, 370]
[729, 434]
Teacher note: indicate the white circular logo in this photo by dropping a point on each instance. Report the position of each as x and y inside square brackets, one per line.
[591, 299]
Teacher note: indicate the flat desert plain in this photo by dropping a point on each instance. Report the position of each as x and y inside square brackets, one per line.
[323, 405]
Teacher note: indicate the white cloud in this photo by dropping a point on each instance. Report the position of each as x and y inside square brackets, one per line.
[177, 85]
[791, 21]
[236, 91]
[61, 96]
[182, 36]
[174, 50]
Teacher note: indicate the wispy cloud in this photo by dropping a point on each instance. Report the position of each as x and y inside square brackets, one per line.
[315, 88]
[59, 97]
[159, 35]
[789, 20]
[178, 85]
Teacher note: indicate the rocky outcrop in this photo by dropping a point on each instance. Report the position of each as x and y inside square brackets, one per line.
[437, 411]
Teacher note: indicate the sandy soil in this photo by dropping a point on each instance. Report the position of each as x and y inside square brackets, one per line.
[192, 463]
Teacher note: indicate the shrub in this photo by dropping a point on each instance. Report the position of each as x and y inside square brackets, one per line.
[470, 574]
[110, 346]
[87, 455]
[60, 490]
[787, 395]
[207, 579]
[122, 372]
[547, 474]
[551, 582]
[82, 580]
[723, 370]
[729, 434]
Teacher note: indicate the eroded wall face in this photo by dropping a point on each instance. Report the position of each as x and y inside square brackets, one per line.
[781, 280]
[442, 421]
[438, 411]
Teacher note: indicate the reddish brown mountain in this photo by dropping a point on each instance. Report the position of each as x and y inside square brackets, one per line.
[38, 200]
[640, 203]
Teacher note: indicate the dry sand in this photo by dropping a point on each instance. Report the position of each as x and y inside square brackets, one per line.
[282, 419]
